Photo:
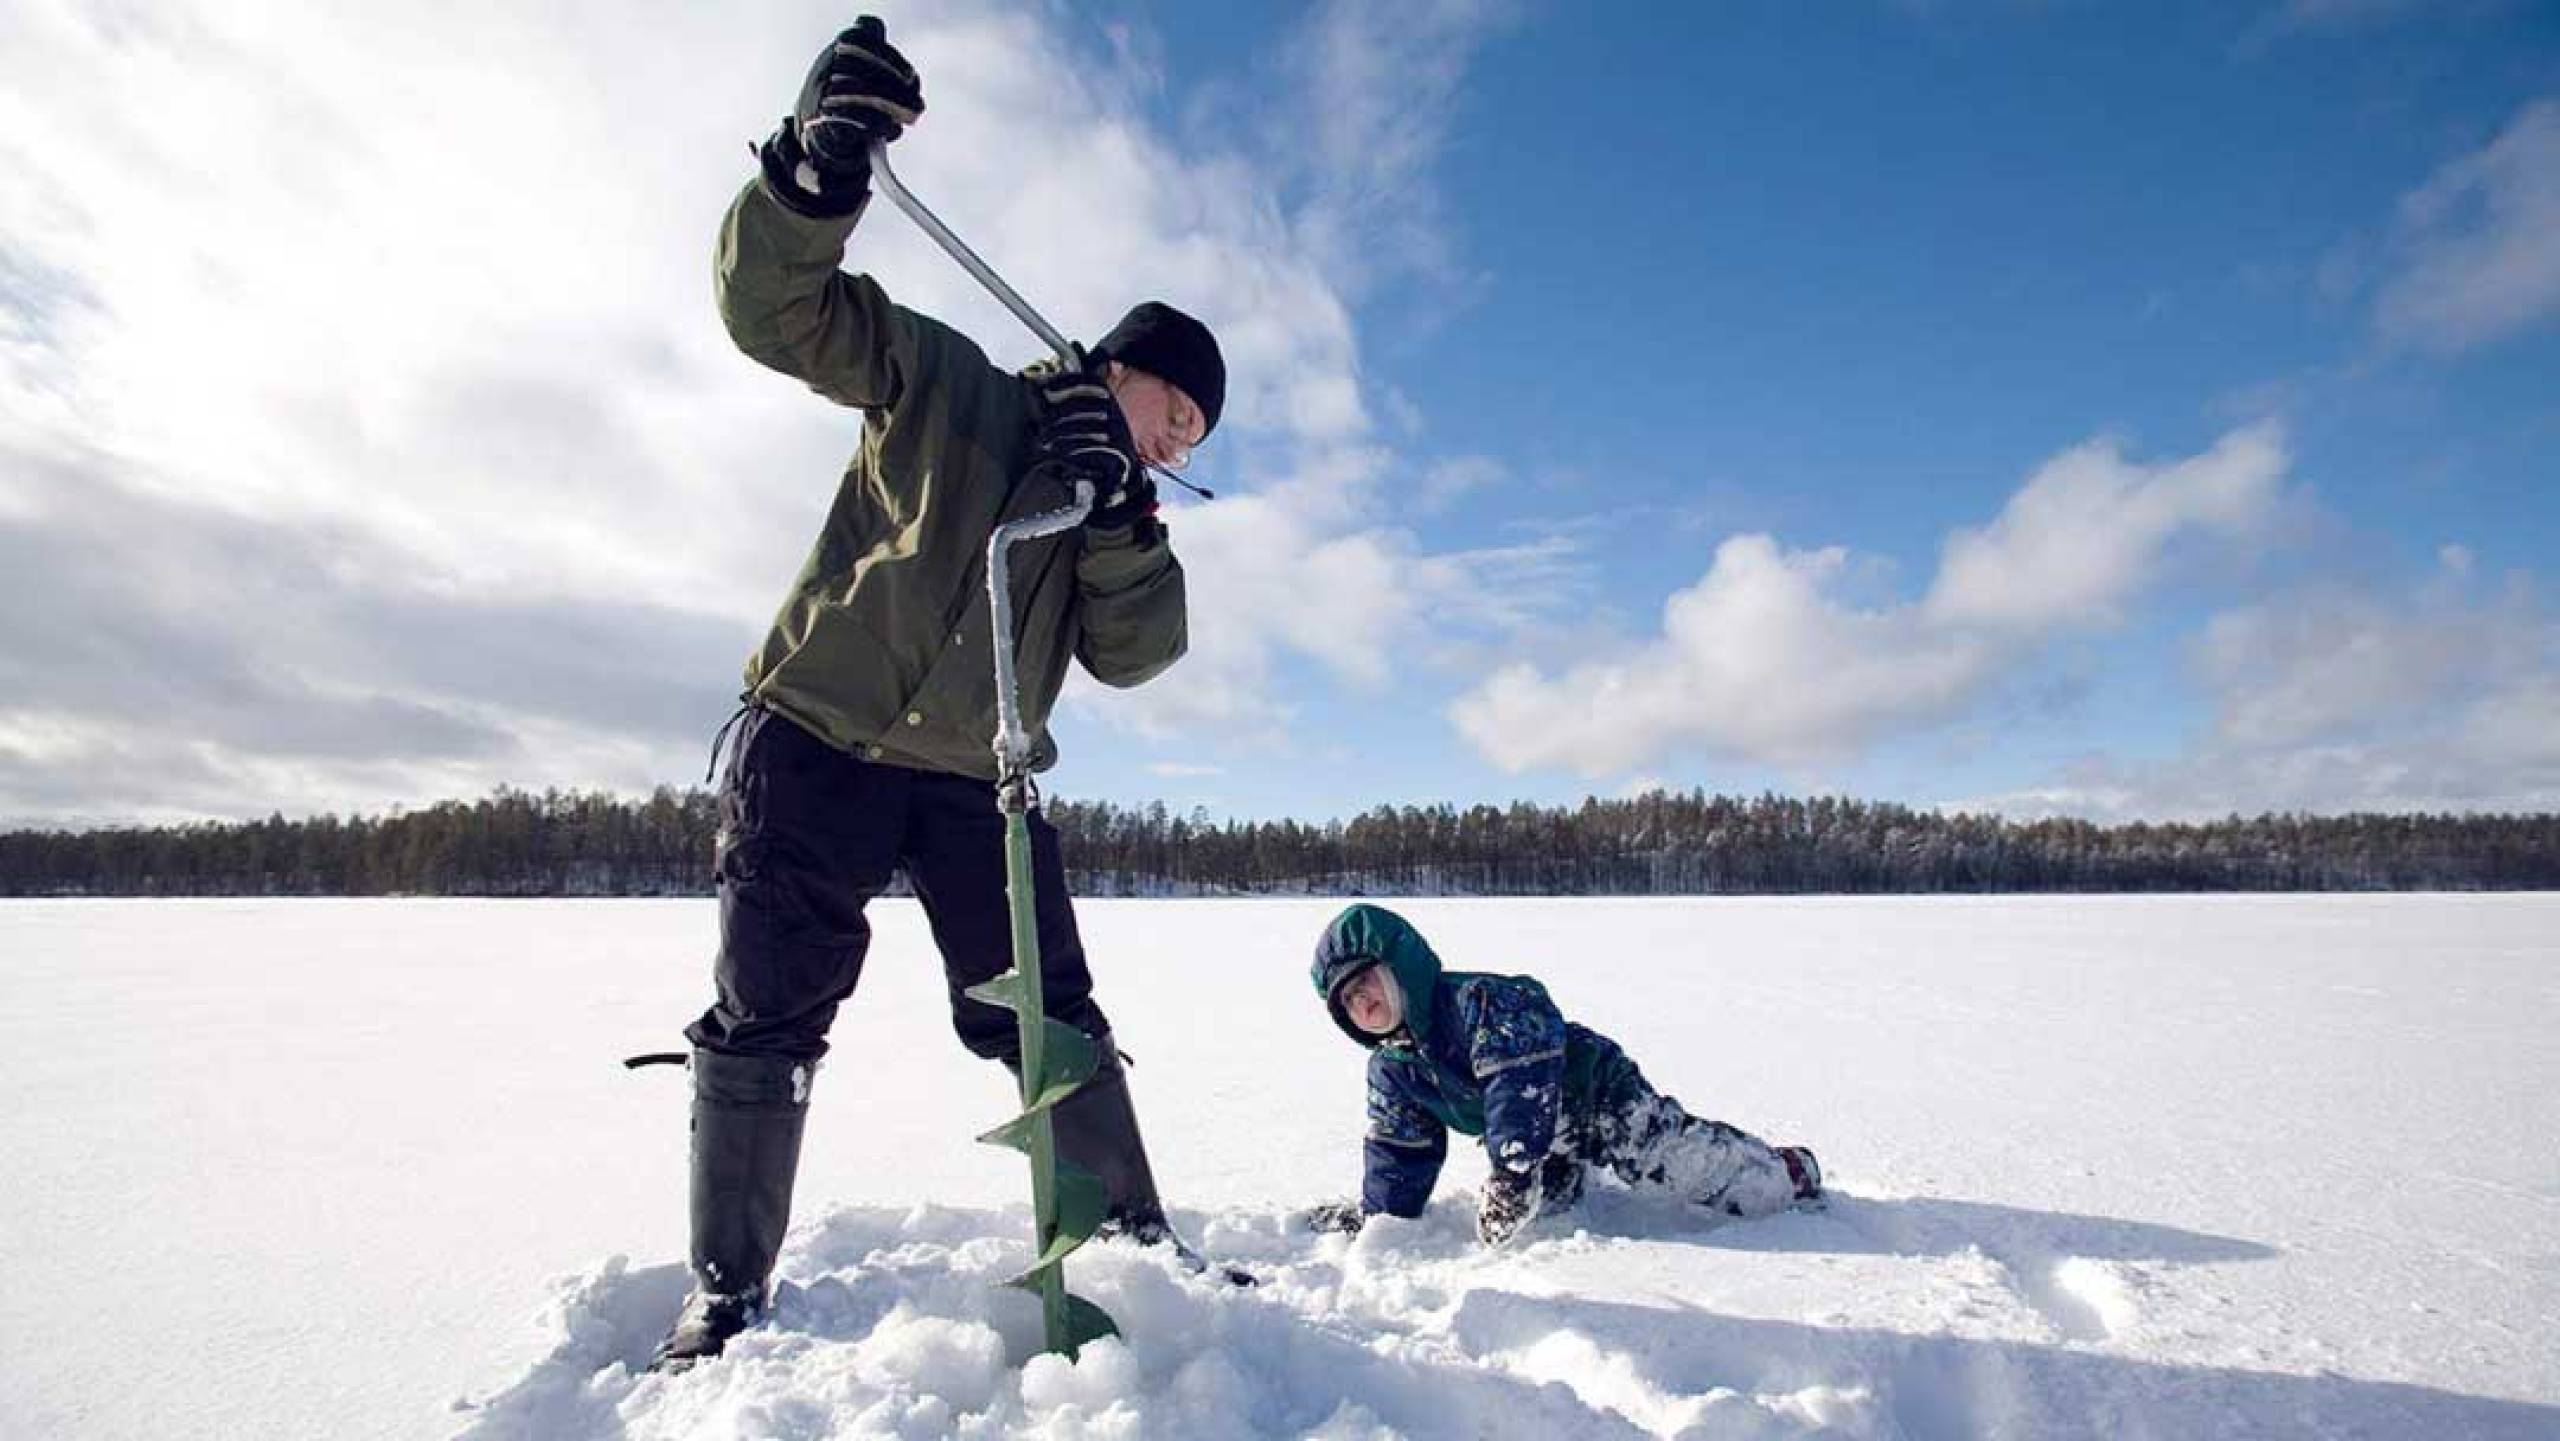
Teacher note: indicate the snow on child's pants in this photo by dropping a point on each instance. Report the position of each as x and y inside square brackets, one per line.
[1649, 1141]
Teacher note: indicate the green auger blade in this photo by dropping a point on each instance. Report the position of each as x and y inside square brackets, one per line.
[1086, 1322]
[1013, 1135]
[1068, 1059]
[1081, 1203]
[1002, 991]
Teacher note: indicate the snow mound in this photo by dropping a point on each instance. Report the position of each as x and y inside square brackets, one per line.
[1880, 1317]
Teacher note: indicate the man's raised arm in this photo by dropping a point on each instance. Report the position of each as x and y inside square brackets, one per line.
[781, 294]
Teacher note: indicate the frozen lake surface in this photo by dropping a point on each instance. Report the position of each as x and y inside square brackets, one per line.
[2279, 1166]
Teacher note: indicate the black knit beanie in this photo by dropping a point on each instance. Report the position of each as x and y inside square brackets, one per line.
[1170, 345]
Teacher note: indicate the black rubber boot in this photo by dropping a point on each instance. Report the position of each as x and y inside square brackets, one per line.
[1097, 1128]
[1806, 1172]
[747, 1118]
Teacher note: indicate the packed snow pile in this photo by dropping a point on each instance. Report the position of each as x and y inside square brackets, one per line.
[1877, 1317]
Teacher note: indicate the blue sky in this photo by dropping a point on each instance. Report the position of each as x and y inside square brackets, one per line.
[2114, 410]
[1848, 273]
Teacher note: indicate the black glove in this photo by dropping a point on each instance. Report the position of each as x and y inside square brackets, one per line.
[859, 89]
[1331, 1217]
[1510, 1199]
[1559, 1183]
[1132, 505]
[1083, 433]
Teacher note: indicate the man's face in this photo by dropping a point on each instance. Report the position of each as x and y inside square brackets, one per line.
[1370, 1002]
[1162, 420]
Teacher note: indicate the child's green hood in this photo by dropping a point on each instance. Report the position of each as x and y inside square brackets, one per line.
[1366, 933]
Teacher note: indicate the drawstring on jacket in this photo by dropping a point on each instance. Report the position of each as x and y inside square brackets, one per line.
[746, 703]
[719, 742]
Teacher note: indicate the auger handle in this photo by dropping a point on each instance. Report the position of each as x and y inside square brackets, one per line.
[959, 250]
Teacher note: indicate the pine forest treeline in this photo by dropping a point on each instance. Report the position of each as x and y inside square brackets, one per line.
[517, 843]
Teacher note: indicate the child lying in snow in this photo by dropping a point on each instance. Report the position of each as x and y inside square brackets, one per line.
[1491, 1056]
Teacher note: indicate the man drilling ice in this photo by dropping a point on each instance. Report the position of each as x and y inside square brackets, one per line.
[863, 747]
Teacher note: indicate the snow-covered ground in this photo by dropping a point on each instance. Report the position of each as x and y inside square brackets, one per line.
[2107, 1167]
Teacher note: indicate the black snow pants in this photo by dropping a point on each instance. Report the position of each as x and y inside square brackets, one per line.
[808, 835]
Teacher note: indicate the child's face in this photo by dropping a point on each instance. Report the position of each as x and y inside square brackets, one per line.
[1370, 1002]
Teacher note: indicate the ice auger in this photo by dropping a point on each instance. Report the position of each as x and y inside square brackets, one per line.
[1067, 1201]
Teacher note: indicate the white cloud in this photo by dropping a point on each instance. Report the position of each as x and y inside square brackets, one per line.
[1760, 658]
[1447, 481]
[413, 304]
[2515, 729]
[2479, 243]
[1284, 574]
[2087, 531]
[2335, 662]
[2336, 698]
[2444, 696]
[1380, 85]
[1768, 658]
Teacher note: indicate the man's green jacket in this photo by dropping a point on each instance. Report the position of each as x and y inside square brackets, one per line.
[884, 647]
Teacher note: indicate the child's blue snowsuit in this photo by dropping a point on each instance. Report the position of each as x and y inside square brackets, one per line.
[1491, 1056]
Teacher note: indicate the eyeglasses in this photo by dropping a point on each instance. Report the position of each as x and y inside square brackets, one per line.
[1182, 419]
